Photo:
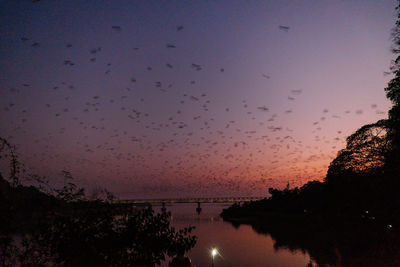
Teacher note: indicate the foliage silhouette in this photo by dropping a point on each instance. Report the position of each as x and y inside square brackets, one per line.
[8, 151]
[393, 94]
[365, 152]
[61, 227]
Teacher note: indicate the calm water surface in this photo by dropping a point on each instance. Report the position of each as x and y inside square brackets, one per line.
[240, 246]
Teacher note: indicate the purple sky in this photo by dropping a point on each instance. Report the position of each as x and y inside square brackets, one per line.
[229, 104]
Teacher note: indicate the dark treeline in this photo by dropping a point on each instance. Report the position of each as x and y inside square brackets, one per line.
[362, 180]
[45, 226]
[355, 208]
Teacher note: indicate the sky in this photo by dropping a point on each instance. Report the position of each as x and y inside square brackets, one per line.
[156, 99]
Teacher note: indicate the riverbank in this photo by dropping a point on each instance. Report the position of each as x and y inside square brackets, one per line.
[346, 240]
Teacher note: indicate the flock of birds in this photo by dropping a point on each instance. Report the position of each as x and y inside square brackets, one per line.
[192, 145]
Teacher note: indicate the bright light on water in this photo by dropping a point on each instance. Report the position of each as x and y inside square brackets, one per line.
[214, 252]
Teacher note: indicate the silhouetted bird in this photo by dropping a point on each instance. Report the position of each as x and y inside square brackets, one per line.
[196, 66]
[284, 28]
[263, 108]
[296, 92]
[116, 28]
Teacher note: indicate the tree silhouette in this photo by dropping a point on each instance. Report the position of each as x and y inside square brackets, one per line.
[7, 151]
[393, 94]
[365, 152]
[61, 227]
[375, 145]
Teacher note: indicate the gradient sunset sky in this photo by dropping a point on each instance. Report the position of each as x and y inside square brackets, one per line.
[190, 98]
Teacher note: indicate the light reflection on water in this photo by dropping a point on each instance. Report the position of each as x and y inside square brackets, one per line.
[240, 246]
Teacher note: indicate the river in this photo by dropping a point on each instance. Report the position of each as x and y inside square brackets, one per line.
[237, 246]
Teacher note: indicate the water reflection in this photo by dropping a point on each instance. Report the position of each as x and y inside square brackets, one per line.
[238, 245]
[288, 242]
[277, 242]
[336, 243]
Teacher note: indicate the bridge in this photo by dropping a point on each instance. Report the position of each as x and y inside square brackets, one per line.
[190, 200]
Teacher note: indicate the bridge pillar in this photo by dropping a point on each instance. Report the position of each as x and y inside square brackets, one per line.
[163, 209]
[198, 209]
